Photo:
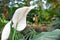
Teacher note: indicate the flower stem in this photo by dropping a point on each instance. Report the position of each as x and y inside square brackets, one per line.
[13, 34]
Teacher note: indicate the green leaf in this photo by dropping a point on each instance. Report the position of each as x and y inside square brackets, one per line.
[53, 35]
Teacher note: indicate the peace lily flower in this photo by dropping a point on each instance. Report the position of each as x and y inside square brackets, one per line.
[18, 17]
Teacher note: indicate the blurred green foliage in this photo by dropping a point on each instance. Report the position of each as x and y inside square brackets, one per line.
[49, 16]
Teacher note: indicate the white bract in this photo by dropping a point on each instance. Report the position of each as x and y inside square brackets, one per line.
[18, 17]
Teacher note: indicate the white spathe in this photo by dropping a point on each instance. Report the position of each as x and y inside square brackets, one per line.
[18, 17]
[6, 31]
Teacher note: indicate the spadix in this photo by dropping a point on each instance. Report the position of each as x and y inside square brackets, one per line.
[18, 17]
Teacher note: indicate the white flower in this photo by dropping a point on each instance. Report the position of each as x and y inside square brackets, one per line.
[6, 31]
[18, 17]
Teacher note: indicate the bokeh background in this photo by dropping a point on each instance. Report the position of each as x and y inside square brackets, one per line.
[45, 17]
